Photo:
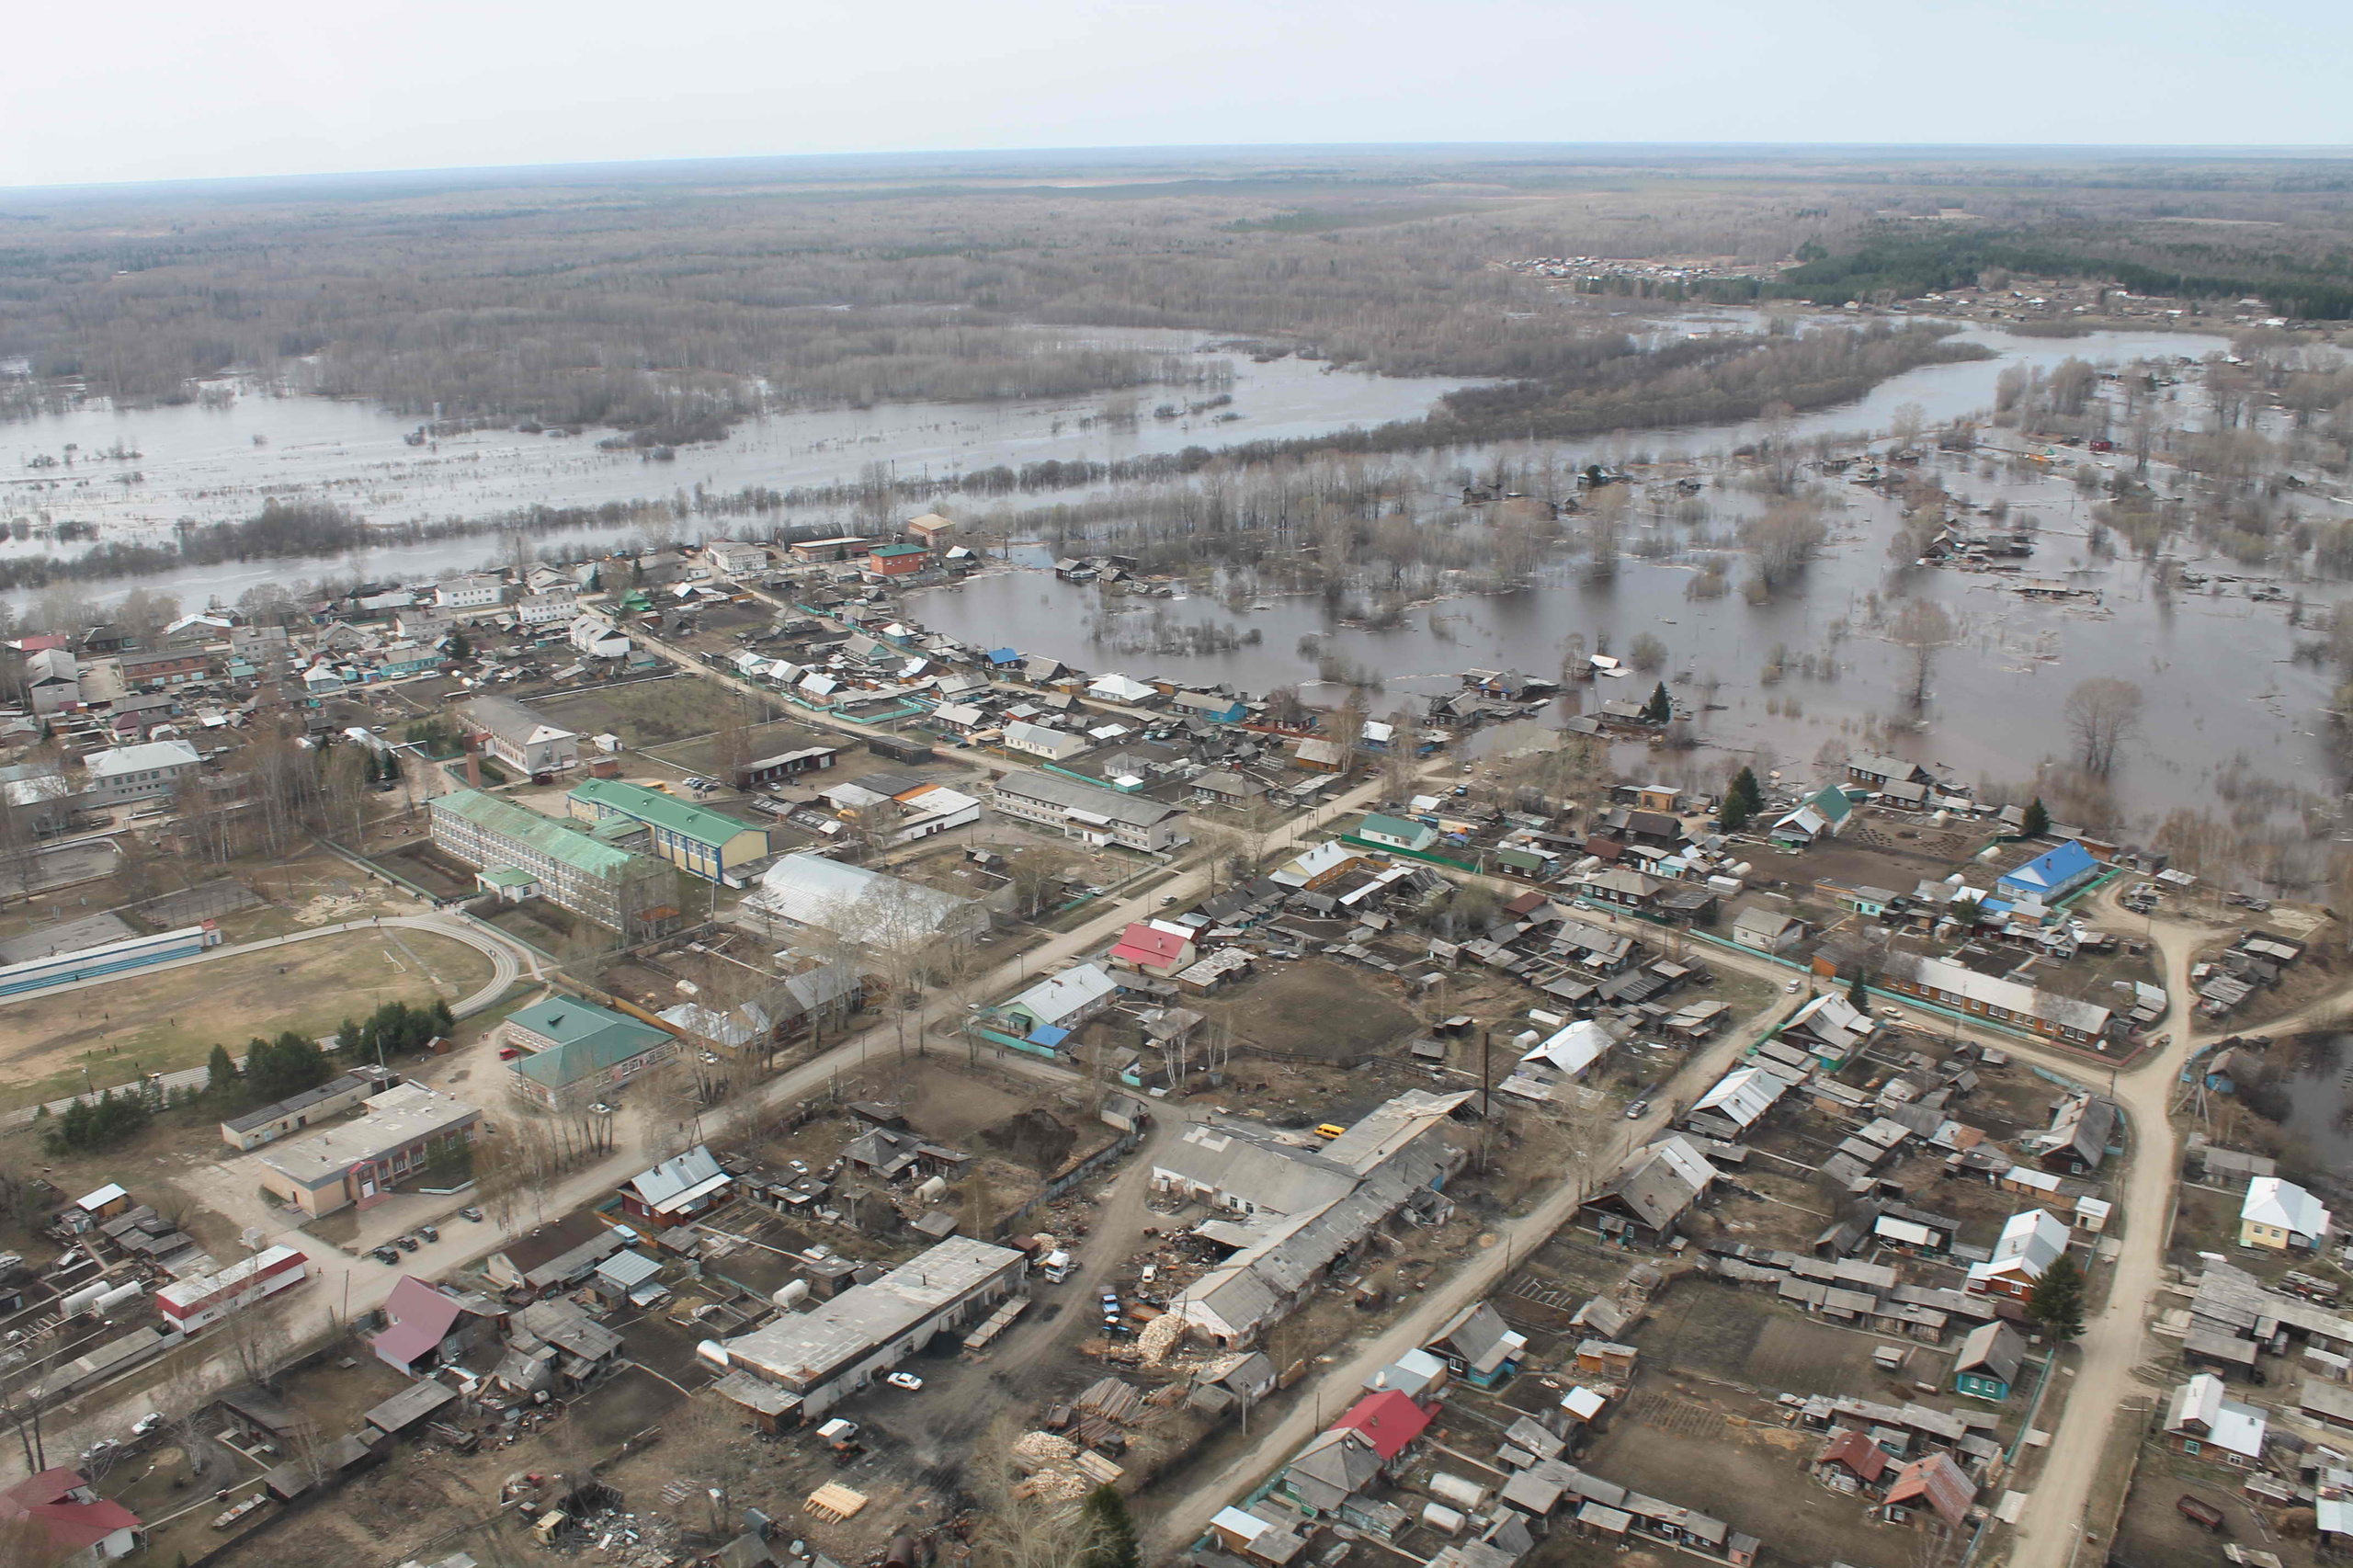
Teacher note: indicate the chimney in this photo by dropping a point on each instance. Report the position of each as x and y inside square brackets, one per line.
[474, 763]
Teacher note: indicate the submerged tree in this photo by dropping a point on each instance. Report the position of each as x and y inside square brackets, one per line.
[2102, 714]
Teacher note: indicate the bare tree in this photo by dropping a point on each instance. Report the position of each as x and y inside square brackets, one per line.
[1921, 628]
[2102, 714]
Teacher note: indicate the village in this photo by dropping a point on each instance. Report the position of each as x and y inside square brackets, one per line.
[736, 1077]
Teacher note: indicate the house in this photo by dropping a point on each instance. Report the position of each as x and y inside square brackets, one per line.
[1476, 1344]
[1621, 888]
[555, 1346]
[428, 1326]
[597, 638]
[2080, 1129]
[139, 773]
[1121, 691]
[2050, 876]
[1932, 1487]
[575, 1051]
[2281, 1216]
[520, 737]
[1154, 949]
[1829, 1029]
[703, 842]
[1064, 1001]
[1396, 833]
[406, 1129]
[1216, 710]
[1767, 930]
[52, 680]
[1651, 1191]
[1318, 868]
[2202, 1422]
[1737, 1101]
[163, 667]
[1876, 770]
[1320, 756]
[1988, 1363]
[1850, 1461]
[1041, 740]
[816, 551]
[522, 854]
[896, 560]
[677, 1190]
[1572, 1048]
[811, 1361]
[56, 1515]
[1088, 812]
[1824, 815]
[2032, 1241]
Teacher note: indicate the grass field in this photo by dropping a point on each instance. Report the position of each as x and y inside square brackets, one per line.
[158, 1023]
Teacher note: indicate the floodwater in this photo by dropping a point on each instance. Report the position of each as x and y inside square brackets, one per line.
[203, 464]
[2222, 691]
[2319, 1096]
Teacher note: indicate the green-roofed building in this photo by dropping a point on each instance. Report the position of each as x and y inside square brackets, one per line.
[574, 1051]
[521, 854]
[691, 837]
[1397, 833]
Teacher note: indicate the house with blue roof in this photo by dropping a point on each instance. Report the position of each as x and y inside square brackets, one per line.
[2052, 875]
[1000, 658]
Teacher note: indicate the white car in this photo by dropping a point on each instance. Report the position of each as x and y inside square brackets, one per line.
[907, 1381]
[1793, 987]
[1892, 1015]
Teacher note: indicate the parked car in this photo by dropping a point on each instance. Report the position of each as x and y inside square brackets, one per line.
[385, 1253]
[407, 1243]
[1634, 1112]
[430, 1232]
[1793, 987]
[1892, 1015]
[907, 1381]
[470, 1212]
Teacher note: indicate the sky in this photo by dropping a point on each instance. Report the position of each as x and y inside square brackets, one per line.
[159, 89]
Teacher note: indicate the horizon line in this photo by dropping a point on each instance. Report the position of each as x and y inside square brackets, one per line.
[654, 167]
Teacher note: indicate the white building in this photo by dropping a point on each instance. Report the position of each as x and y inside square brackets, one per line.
[522, 738]
[473, 592]
[1037, 740]
[543, 608]
[1121, 689]
[140, 772]
[2031, 1243]
[729, 559]
[2280, 1215]
[1088, 811]
[861, 906]
[598, 638]
[1066, 1000]
[812, 1361]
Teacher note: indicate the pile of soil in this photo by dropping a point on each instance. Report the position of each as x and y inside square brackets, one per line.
[1033, 1138]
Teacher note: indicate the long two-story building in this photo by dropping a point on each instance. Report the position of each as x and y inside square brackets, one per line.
[1089, 811]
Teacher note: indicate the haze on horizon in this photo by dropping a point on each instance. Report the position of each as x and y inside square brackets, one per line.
[161, 92]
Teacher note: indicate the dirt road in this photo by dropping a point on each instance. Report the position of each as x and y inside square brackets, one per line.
[1170, 1527]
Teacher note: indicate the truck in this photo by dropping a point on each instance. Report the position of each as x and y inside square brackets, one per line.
[2199, 1512]
[1058, 1267]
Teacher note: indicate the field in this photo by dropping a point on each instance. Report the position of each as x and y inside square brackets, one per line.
[1319, 1008]
[645, 713]
[158, 1023]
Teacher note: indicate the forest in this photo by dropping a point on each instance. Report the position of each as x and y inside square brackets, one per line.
[674, 299]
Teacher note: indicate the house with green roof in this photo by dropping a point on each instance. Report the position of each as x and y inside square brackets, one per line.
[691, 837]
[575, 1052]
[1824, 815]
[1396, 833]
[520, 854]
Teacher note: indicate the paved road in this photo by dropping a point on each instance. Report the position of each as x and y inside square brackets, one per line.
[508, 963]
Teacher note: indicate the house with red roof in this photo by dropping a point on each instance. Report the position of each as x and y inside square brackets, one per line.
[1154, 949]
[430, 1326]
[1932, 1486]
[1850, 1461]
[81, 1528]
[1388, 1420]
